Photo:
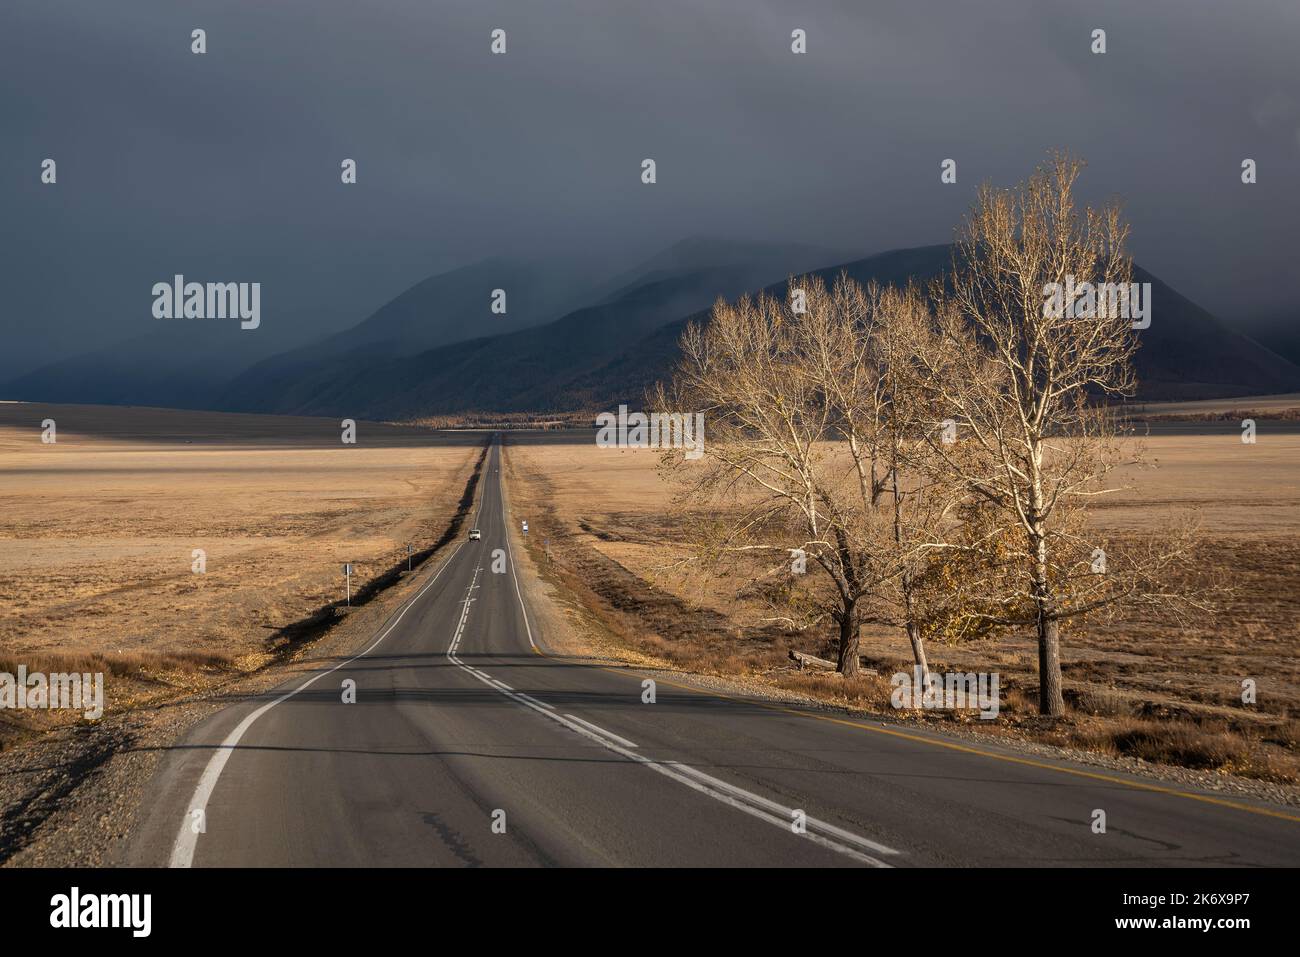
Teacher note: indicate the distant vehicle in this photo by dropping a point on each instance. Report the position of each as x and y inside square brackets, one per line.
[475, 534]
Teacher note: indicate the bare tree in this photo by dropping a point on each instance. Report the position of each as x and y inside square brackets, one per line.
[935, 455]
[813, 420]
[1031, 335]
[751, 371]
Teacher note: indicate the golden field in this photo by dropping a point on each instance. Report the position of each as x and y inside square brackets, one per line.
[98, 530]
[1159, 689]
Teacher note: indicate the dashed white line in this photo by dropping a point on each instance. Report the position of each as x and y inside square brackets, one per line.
[819, 832]
[187, 839]
[599, 730]
[528, 697]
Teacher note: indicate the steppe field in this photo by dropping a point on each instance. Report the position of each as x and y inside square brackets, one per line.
[1153, 690]
[98, 532]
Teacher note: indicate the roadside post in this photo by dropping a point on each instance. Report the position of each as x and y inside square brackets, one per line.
[408, 556]
[347, 571]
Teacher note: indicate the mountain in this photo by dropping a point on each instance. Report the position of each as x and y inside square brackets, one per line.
[437, 349]
[439, 311]
[451, 307]
[700, 253]
[179, 364]
[598, 357]
[184, 364]
[1186, 353]
[1190, 354]
[361, 372]
[1279, 332]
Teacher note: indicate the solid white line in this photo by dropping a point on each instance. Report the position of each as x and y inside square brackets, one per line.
[187, 839]
[601, 731]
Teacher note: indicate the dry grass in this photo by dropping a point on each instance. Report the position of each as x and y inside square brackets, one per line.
[124, 665]
[97, 532]
[614, 536]
[1185, 744]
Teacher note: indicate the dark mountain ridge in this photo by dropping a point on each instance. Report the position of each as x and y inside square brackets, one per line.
[599, 357]
[437, 350]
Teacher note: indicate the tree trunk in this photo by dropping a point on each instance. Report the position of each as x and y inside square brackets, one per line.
[918, 652]
[847, 660]
[1050, 700]
[909, 603]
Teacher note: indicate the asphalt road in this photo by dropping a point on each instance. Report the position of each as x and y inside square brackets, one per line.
[468, 745]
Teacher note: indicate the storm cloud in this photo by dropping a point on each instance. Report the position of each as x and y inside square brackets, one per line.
[225, 166]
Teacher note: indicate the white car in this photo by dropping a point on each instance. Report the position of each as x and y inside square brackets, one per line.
[475, 534]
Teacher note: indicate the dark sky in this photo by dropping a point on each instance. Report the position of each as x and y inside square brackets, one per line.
[226, 166]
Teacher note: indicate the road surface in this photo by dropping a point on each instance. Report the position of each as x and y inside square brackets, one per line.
[469, 746]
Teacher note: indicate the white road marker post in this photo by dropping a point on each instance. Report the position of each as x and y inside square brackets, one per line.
[347, 571]
[408, 556]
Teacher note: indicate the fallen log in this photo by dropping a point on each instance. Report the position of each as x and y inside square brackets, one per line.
[805, 660]
[810, 661]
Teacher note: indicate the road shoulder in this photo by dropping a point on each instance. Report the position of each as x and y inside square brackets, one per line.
[574, 630]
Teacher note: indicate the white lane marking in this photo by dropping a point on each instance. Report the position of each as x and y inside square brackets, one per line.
[528, 697]
[819, 832]
[778, 809]
[187, 839]
[460, 627]
[601, 731]
[505, 523]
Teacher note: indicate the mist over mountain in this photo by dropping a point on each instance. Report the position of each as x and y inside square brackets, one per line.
[567, 343]
[601, 355]
[226, 167]
[1187, 353]
[206, 364]
[530, 367]
[183, 364]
